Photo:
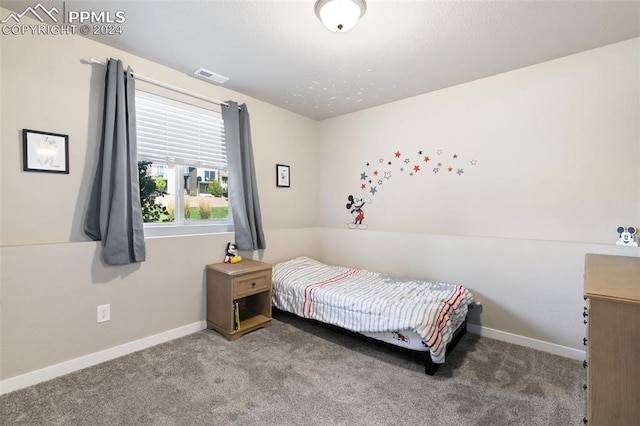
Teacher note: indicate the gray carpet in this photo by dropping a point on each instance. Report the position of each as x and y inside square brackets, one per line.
[299, 373]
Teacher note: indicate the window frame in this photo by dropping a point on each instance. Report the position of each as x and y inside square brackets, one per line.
[181, 226]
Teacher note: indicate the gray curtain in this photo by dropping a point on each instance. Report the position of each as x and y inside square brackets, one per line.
[114, 214]
[243, 189]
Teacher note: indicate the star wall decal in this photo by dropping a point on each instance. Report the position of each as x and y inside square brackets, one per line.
[373, 178]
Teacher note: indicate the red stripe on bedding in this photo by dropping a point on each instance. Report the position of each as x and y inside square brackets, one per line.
[442, 317]
[308, 290]
[291, 271]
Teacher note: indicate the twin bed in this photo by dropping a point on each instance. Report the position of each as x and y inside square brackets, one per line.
[416, 315]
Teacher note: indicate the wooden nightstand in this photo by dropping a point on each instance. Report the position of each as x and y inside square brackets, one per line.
[245, 286]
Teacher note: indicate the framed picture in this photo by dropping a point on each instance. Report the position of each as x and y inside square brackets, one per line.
[45, 152]
[283, 175]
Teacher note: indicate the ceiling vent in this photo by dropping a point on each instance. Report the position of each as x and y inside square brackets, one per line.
[210, 76]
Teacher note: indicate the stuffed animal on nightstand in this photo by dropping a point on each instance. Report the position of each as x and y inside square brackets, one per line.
[626, 236]
[231, 255]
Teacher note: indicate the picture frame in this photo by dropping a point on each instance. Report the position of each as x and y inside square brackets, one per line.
[283, 176]
[45, 152]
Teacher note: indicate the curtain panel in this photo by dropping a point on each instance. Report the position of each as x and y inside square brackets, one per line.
[114, 215]
[243, 188]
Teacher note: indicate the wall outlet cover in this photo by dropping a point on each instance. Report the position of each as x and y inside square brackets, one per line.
[104, 313]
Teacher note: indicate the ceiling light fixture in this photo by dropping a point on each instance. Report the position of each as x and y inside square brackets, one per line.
[340, 15]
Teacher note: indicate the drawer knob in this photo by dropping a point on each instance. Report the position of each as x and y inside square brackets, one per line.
[584, 341]
[585, 314]
[584, 387]
[253, 284]
[584, 364]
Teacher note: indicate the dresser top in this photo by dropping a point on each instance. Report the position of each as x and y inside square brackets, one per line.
[612, 277]
[245, 266]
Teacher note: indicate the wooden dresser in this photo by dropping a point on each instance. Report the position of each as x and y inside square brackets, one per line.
[238, 297]
[612, 293]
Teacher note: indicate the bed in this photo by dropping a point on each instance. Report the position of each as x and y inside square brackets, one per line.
[416, 315]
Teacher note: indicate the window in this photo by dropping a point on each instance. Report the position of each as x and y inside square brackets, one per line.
[182, 163]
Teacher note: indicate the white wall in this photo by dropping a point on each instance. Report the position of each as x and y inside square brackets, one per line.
[557, 148]
[51, 276]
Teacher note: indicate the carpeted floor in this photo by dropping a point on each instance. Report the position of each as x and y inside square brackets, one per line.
[300, 373]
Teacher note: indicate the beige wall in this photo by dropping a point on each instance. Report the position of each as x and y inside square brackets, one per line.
[52, 278]
[45, 86]
[557, 148]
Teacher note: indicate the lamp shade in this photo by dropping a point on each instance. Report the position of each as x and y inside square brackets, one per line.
[340, 15]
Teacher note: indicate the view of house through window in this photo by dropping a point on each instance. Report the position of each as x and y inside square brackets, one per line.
[186, 193]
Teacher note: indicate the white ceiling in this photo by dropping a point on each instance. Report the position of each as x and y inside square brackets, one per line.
[279, 52]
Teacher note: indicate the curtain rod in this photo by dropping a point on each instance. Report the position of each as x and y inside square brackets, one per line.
[165, 85]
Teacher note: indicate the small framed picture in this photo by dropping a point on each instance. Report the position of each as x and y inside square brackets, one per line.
[283, 176]
[45, 152]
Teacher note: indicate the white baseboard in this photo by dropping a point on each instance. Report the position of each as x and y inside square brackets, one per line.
[528, 342]
[48, 373]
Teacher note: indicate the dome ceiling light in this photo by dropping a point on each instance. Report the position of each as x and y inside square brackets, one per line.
[340, 15]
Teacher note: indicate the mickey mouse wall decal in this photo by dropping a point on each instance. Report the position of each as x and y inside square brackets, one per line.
[626, 236]
[354, 205]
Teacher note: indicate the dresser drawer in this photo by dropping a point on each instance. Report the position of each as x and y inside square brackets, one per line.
[250, 284]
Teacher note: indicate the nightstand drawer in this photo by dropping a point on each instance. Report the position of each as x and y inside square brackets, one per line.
[250, 284]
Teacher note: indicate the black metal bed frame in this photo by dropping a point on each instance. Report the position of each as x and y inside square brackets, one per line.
[430, 367]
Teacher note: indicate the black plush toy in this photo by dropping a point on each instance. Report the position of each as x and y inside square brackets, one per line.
[231, 255]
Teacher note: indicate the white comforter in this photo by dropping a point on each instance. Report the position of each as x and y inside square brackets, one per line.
[364, 301]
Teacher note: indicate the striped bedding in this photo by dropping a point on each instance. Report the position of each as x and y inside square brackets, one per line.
[369, 302]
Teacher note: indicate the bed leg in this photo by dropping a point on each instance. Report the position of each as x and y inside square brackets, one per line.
[430, 367]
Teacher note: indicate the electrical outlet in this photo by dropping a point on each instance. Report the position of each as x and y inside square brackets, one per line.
[104, 313]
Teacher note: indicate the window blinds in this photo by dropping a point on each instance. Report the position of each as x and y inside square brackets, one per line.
[173, 132]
